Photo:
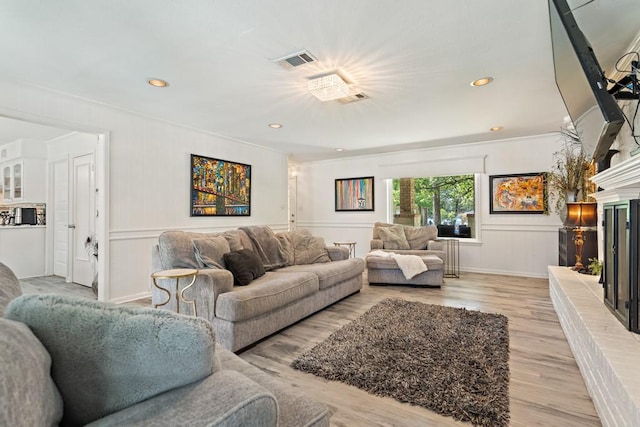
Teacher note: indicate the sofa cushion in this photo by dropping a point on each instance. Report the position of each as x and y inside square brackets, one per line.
[419, 237]
[237, 239]
[10, 288]
[332, 273]
[393, 237]
[209, 251]
[270, 292]
[244, 265]
[106, 357]
[176, 250]
[28, 396]
[301, 247]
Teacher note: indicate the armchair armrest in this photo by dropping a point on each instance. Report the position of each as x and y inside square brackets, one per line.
[223, 399]
[435, 245]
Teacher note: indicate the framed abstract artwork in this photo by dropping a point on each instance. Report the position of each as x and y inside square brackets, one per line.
[219, 187]
[354, 194]
[524, 193]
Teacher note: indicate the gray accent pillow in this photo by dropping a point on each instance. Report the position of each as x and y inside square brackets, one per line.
[309, 249]
[106, 357]
[418, 237]
[234, 239]
[176, 250]
[28, 396]
[393, 237]
[244, 265]
[209, 251]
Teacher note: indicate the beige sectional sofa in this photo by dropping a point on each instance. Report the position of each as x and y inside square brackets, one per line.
[302, 276]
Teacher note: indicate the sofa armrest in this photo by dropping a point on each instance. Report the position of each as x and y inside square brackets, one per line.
[376, 244]
[337, 253]
[209, 283]
[225, 398]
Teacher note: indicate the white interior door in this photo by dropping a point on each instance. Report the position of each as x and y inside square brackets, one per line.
[83, 210]
[293, 202]
[61, 219]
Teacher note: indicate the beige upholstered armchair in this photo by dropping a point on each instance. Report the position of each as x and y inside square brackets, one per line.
[404, 239]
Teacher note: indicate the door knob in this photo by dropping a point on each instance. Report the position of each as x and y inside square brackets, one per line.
[71, 226]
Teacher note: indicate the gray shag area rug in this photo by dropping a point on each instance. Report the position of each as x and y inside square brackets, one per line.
[449, 360]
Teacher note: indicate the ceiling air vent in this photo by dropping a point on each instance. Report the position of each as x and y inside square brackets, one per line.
[354, 97]
[295, 60]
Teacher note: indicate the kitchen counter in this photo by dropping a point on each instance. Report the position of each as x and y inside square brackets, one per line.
[22, 248]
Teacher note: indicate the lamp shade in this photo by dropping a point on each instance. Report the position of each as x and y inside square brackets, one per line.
[582, 215]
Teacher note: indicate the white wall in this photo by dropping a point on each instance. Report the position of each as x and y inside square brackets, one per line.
[148, 178]
[523, 244]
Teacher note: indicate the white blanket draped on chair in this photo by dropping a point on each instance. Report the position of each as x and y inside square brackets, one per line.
[410, 265]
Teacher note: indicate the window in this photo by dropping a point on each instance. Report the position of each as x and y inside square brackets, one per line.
[445, 201]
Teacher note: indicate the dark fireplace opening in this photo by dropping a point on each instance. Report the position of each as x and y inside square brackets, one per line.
[620, 270]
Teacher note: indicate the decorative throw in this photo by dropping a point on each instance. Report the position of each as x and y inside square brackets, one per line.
[450, 360]
[410, 265]
[267, 246]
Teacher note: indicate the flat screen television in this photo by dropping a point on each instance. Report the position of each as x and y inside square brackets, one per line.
[582, 85]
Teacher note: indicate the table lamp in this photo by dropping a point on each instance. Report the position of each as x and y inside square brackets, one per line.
[581, 215]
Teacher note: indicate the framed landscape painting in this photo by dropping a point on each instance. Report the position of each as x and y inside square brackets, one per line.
[524, 193]
[354, 194]
[219, 187]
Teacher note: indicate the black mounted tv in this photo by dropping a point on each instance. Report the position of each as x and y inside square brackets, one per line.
[582, 84]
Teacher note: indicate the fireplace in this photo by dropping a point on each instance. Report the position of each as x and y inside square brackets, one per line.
[619, 213]
[620, 273]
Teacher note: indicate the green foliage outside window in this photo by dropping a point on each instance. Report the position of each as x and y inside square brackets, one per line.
[442, 199]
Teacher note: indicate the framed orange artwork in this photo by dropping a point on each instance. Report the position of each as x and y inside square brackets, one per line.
[524, 193]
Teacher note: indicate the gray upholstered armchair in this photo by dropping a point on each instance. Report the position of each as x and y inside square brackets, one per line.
[404, 239]
[76, 361]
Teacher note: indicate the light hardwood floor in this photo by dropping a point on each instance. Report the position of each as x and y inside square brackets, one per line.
[546, 388]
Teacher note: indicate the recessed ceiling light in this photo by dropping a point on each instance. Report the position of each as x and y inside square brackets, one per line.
[158, 82]
[339, 149]
[495, 128]
[275, 125]
[481, 82]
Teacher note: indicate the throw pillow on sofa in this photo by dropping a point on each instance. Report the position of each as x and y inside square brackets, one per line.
[300, 247]
[393, 237]
[210, 251]
[419, 237]
[245, 266]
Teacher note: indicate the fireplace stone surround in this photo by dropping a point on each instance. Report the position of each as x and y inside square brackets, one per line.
[605, 351]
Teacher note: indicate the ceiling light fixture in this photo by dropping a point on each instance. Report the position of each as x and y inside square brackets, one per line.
[275, 125]
[495, 128]
[328, 88]
[481, 82]
[158, 82]
[339, 149]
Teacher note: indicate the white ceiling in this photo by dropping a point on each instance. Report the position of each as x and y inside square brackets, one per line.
[413, 58]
